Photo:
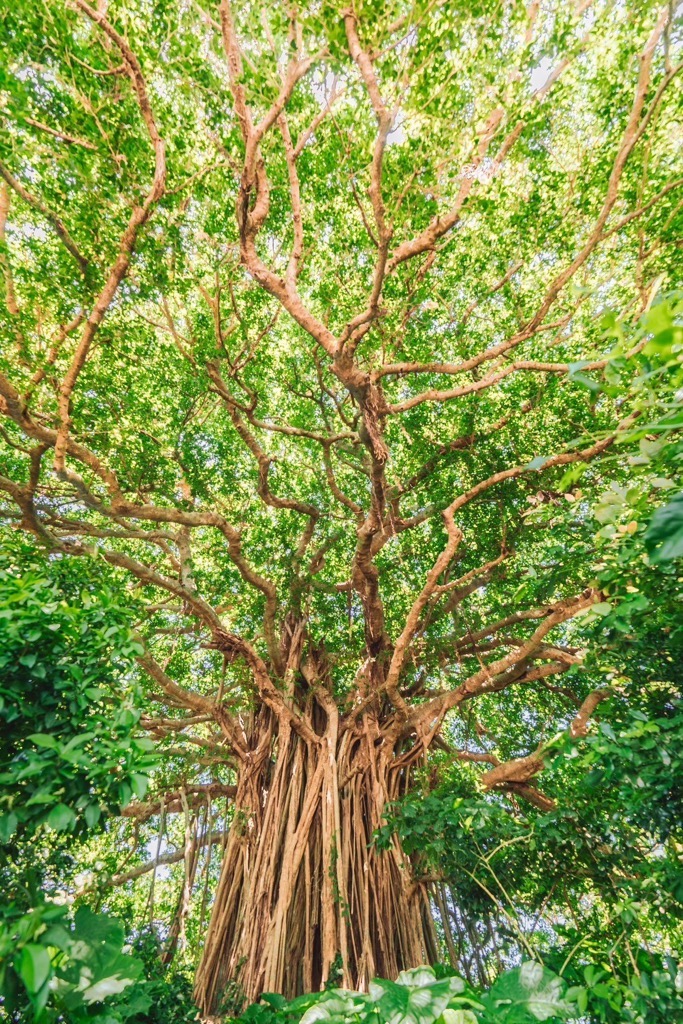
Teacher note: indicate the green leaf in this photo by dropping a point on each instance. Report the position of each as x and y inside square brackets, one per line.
[336, 1005]
[42, 739]
[459, 1017]
[139, 784]
[585, 380]
[416, 997]
[529, 991]
[98, 928]
[663, 342]
[8, 826]
[105, 987]
[58, 936]
[92, 814]
[34, 966]
[664, 536]
[61, 818]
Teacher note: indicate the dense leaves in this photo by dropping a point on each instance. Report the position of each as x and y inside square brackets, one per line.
[341, 356]
[55, 966]
[524, 995]
[420, 996]
[68, 699]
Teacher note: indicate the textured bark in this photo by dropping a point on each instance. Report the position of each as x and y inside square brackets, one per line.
[302, 891]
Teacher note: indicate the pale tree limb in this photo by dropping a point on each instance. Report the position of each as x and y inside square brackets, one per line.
[629, 139]
[10, 294]
[473, 362]
[559, 613]
[356, 328]
[71, 140]
[403, 642]
[518, 775]
[443, 224]
[307, 134]
[197, 795]
[13, 406]
[175, 857]
[138, 217]
[491, 676]
[48, 214]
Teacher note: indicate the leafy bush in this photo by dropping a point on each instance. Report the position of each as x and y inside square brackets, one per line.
[524, 995]
[611, 849]
[169, 986]
[67, 700]
[59, 967]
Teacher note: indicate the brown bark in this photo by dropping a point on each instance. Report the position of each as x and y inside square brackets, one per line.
[302, 890]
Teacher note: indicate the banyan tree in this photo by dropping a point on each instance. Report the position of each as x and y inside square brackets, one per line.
[301, 315]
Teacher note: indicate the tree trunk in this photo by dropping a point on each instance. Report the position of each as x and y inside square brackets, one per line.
[303, 897]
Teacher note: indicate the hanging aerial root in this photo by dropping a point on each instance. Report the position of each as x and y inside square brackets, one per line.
[304, 895]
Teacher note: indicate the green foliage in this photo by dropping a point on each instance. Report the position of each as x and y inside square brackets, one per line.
[599, 876]
[637, 759]
[68, 700]
[416, 997]
[649, 385]
[168, 986]
[664, 535]
[614, 845]
[59, 966]
[523, 995]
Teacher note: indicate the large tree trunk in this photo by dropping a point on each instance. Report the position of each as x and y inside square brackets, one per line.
[303, 896]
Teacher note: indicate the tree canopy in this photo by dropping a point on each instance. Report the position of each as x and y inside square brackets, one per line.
[340, 386]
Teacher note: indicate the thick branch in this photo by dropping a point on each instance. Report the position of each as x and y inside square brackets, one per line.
[196, 795]
[164, 858]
